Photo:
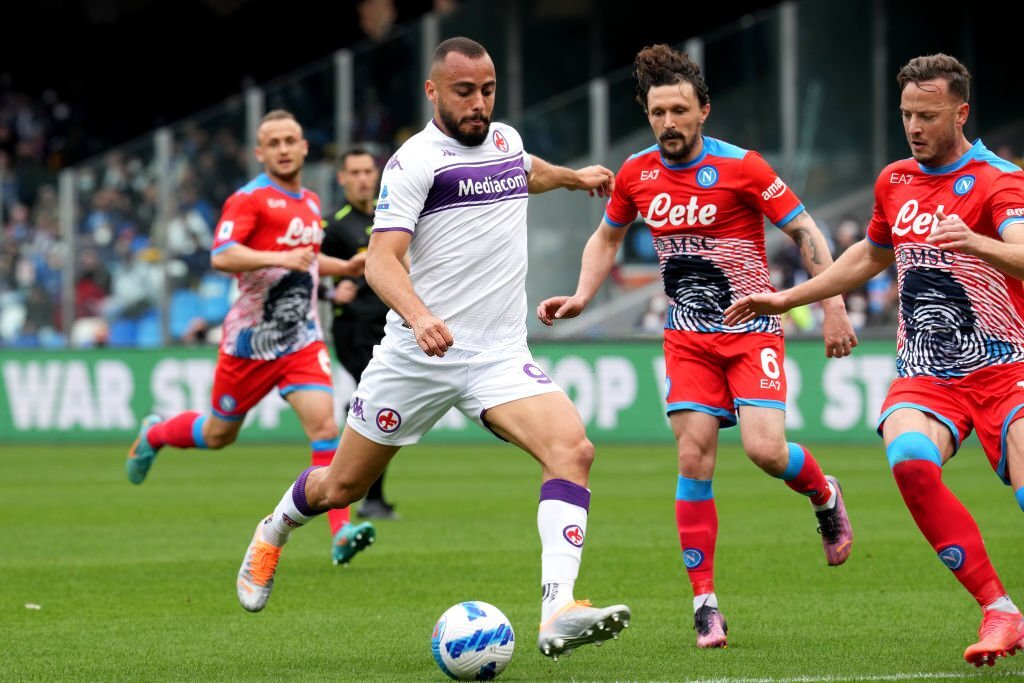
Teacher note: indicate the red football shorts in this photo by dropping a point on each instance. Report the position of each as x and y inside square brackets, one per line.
[716, 372]
[986, 400]
[241, 383]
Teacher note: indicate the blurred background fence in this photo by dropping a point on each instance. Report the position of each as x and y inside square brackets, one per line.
[114, 251]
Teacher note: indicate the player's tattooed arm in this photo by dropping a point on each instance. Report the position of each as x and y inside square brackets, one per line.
[806, 245]
[808, 238]
[836, 327]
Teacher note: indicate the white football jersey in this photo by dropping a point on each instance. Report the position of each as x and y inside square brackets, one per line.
[466, 210]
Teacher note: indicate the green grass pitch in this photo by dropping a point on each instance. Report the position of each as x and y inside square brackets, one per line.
[137, 583]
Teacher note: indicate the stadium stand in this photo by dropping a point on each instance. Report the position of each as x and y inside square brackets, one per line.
[143, 217]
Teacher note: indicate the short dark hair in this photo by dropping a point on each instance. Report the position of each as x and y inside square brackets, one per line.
[460, 45]
[278, 115]
[939, 65]
[353, 152]
[661, 65]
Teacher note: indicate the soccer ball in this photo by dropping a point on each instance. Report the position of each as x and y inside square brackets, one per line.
[473, 641]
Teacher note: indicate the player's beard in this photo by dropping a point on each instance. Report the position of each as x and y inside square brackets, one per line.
[291, 175]
[684, 151]
[939, 150]
[287, 176]
[452, 125]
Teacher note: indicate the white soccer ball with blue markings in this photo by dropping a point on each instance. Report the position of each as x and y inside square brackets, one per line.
[473, 641]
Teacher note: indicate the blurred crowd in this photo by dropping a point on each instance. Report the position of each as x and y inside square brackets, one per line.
[873, 305]
[139, 262]
[33, 138]
[124, 264]
[120, 266]
[127, 263]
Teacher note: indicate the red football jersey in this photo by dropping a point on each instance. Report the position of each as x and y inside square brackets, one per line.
[705, 217]
[275, 313]
[957, 313]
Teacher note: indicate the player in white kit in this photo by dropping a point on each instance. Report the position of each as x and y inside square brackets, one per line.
[453, 198]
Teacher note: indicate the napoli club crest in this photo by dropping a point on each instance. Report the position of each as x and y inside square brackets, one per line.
[692, 558]
[500, 142]
[963, 185]
[574, 534]
[388, 420]
[707, 176]
[227, 403]
[952, 556]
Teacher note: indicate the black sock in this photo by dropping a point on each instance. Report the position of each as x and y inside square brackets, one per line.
[376, 491]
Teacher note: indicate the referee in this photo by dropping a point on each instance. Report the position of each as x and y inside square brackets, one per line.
[359, 315]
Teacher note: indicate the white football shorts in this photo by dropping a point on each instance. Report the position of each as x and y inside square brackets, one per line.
[404, 392]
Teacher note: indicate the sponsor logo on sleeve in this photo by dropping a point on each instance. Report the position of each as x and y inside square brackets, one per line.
[774, 190]
[383, 202]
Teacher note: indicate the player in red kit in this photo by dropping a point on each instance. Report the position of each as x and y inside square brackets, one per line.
[703, 200]
[269, 235]
[952, 219]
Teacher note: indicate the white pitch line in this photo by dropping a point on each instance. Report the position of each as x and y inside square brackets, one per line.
[919, 676]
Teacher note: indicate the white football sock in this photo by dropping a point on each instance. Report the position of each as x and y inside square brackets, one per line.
[562, 527]
[709, 599]
[1003, 604]
[830, 503]
[286, 516]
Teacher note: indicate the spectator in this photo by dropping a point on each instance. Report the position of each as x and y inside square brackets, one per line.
[93, 285]
[849, 232]
[41, 316]
[874, 303]
[46, 209]
[8, 182]
[189, 235]
[137, 278]
[376, 18]
[653, 319]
